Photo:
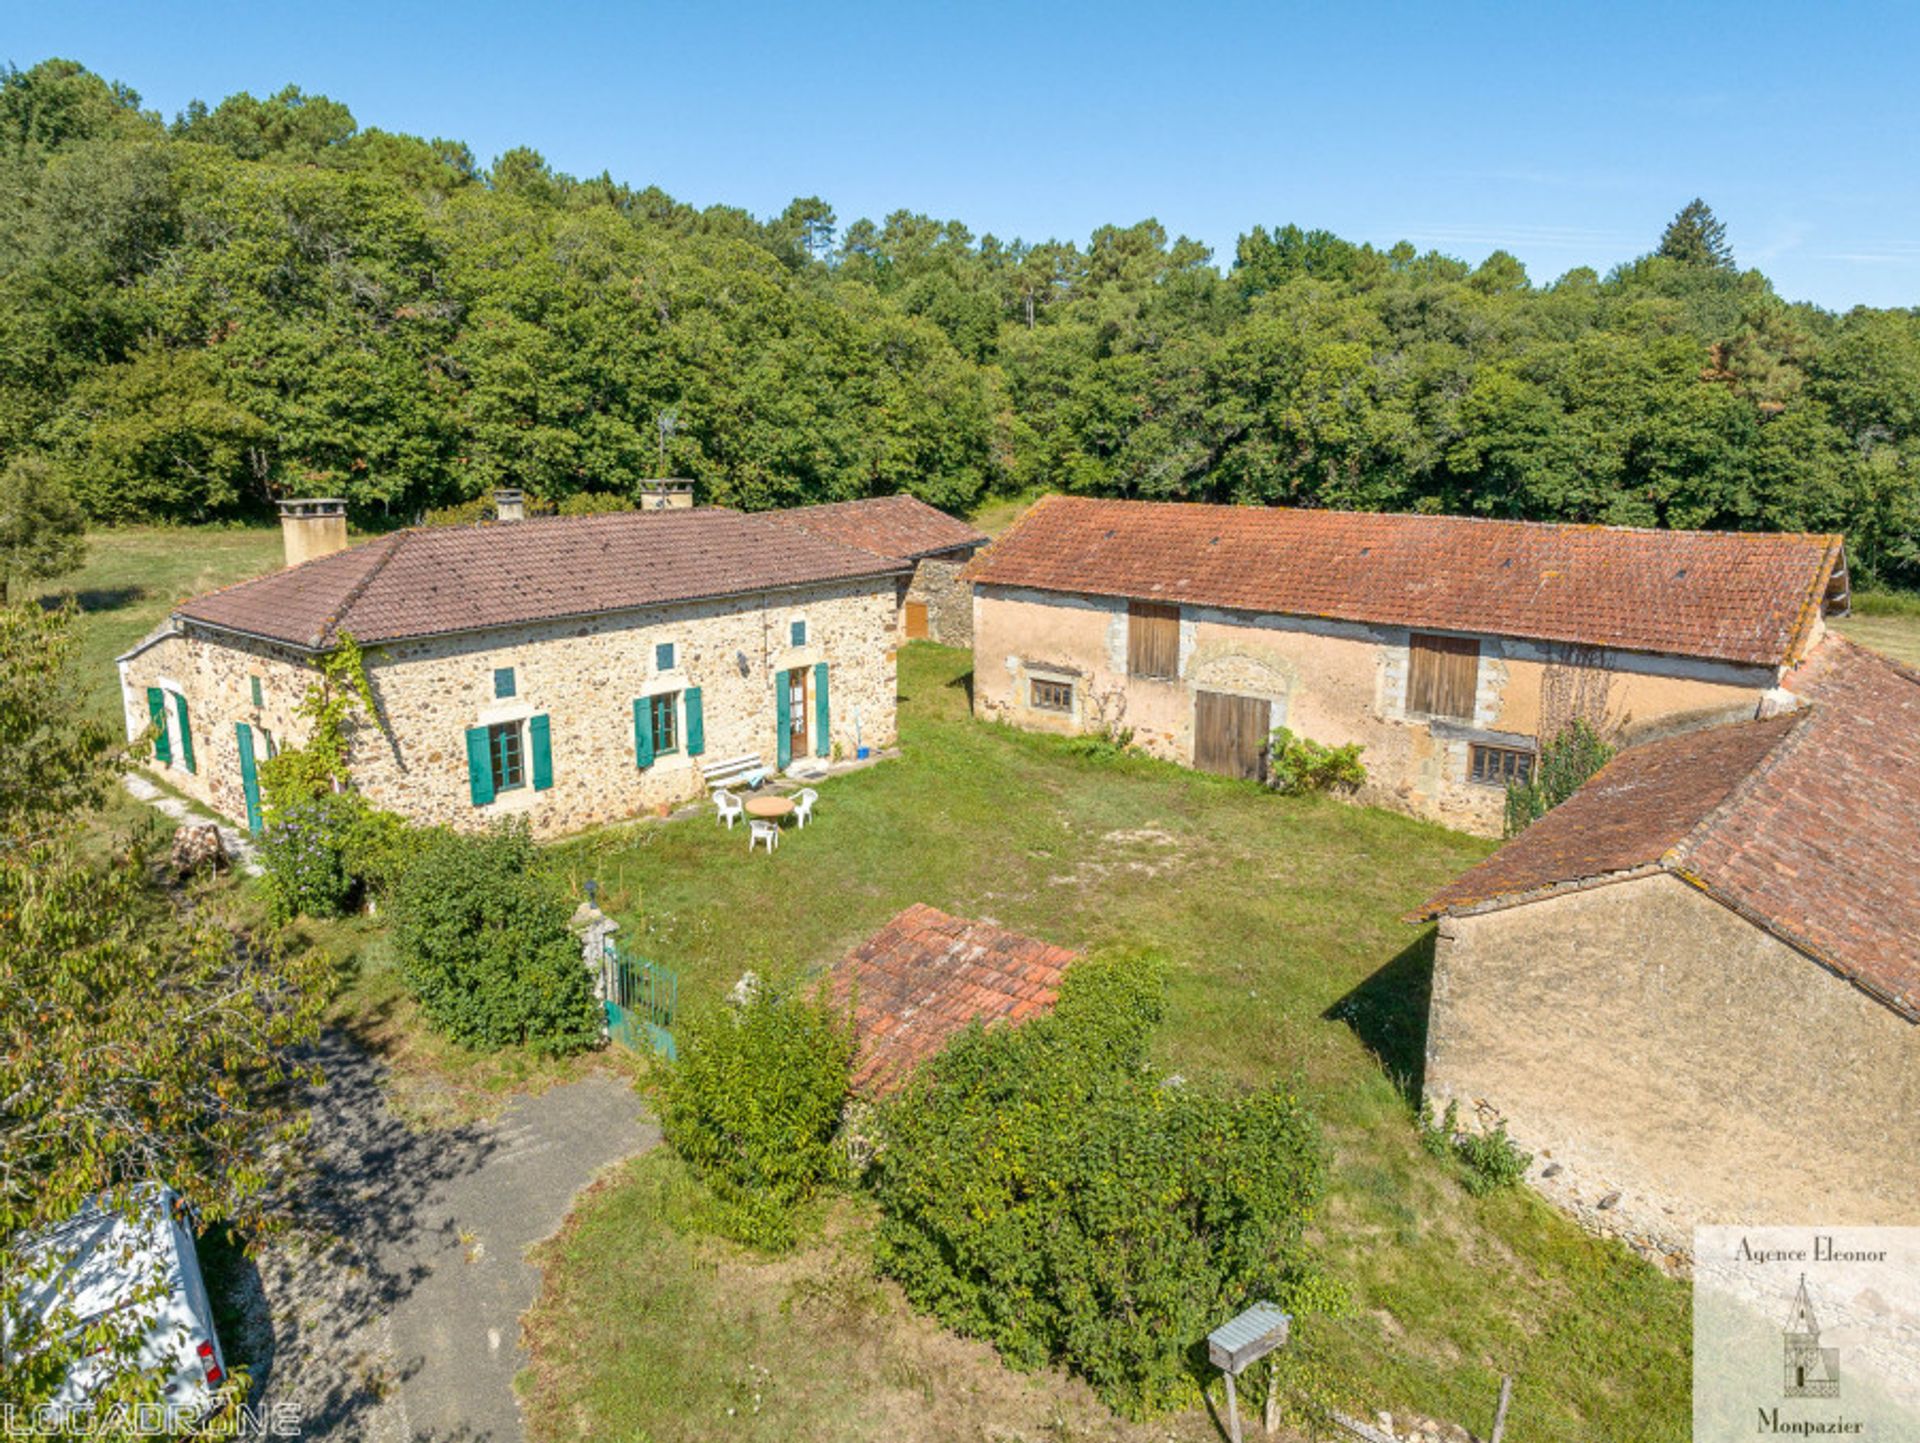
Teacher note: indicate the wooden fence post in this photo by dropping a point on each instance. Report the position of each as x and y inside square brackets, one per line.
[1500, 1414]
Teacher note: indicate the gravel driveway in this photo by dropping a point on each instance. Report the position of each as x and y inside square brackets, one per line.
[395, 1319]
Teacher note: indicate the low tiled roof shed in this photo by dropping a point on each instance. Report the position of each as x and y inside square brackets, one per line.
[899, 526]
[1751, 598]
[925, 976]
[1807, 825]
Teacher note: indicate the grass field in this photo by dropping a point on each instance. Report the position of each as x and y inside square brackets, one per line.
[1281, 919]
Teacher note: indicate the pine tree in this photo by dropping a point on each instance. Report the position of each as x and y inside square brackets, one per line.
[1697, 237]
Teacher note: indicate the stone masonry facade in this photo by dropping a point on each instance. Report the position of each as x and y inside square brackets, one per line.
[1335, 682]
[948, 599]
[1668, 1063]
[582, 676]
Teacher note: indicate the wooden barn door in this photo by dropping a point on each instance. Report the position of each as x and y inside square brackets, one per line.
[916, 620]
[1230, 734]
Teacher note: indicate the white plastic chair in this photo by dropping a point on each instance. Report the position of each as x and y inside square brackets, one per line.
[759, 831]
[730, 807]
[803, 801]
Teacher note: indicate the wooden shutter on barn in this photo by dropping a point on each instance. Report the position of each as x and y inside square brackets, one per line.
[540, 742]
[157, 713]
[1153, 640]
[1443, 674]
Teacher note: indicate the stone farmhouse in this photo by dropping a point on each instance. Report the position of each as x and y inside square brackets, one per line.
[1447, 647]
[936, 605]
[569, 670]
[1692, 989]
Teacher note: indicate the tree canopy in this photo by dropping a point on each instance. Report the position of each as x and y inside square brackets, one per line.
[263, 298]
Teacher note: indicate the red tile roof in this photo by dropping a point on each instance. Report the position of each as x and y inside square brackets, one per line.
[1807, 824]
[435, 580]
[902, 526]
[922, 978]
[1746, 597]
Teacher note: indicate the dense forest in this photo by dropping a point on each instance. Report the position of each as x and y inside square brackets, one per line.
[262, 298]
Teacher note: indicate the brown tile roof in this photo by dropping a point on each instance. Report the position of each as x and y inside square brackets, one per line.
[924, 976]
[902, 526]
[1806, 824]
[434, 580]
[1731, 596]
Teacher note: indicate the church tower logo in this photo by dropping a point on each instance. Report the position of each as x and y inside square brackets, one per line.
[1811, 1370]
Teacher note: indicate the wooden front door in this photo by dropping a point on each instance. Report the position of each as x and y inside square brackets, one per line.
[797, 710]
[1230, 734]
[916, 620]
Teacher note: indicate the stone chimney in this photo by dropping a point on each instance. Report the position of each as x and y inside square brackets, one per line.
[509, 504]
[315, 526]
[666, 495]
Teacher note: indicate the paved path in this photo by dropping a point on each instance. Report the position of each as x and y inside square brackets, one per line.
[405, 1328]
[238, 844]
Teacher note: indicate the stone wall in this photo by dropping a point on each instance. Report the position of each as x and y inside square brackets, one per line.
[1336, 682]
[1668, 1063]
[216, 678]
[949, 601]
[582, 676]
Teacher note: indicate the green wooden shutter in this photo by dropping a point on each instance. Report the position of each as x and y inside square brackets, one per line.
[642, 732]
[539, 737]
[822, 718]
[157, 714]
[782, 720]
[696, 724]
[249, 774]
[186, 733]
[479, 766]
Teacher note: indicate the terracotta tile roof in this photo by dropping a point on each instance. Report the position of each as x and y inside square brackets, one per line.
[1806, 824]
[1732, 596]
[434, 580]
[902, 526]
[924, 976]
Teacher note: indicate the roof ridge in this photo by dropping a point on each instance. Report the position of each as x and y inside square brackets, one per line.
[333, 628]
[1675, 857]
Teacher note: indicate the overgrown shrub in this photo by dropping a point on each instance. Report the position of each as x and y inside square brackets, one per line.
[1488, 1161]
[753, 1104]
[1298, 765]
[302, 850]
[1043, 1188]
[481, 931]
[1108, 744]
[1564, 764]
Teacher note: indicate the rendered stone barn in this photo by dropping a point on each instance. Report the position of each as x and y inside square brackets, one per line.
[935, 604]
[1447, 647]
[571, 670]
[1694, 987]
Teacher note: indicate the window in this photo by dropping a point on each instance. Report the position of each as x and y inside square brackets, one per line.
[1497, 766]
[268, 749]
[1153, 640]
[1443, 673]
[507, 754]
[663, 711]
[504, 682]
[798, 632]
[663, 656]
[1050, 695]
[253, 684]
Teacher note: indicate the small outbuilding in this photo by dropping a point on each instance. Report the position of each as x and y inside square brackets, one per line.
[926, 976]
[1692, 989]
[935, 604]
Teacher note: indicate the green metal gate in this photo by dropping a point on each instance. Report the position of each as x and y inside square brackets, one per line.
[641, 998]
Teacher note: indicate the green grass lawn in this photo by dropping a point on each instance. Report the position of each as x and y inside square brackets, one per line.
[1282, 922]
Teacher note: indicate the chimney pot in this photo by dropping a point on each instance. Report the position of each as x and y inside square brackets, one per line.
[312, 527]
[509, 504]
[666, 495]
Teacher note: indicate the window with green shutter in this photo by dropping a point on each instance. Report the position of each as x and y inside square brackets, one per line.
[822, 717]
[479, 765]
[506, 756]
[505, 684]
[696, 723]
[798, 633]
[157, 716]
[186, 733]
[663, 656]
[540, 743]
[253, 685]
[665, 714]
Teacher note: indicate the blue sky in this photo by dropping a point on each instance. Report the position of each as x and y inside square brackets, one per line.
[1566, 135]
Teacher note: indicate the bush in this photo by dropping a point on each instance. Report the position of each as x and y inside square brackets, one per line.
[1298, 765]
[301, 854]
[753, 1104]
[1564, 765]
[482, 935]
[1489, 1161]
[1041, 1187]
